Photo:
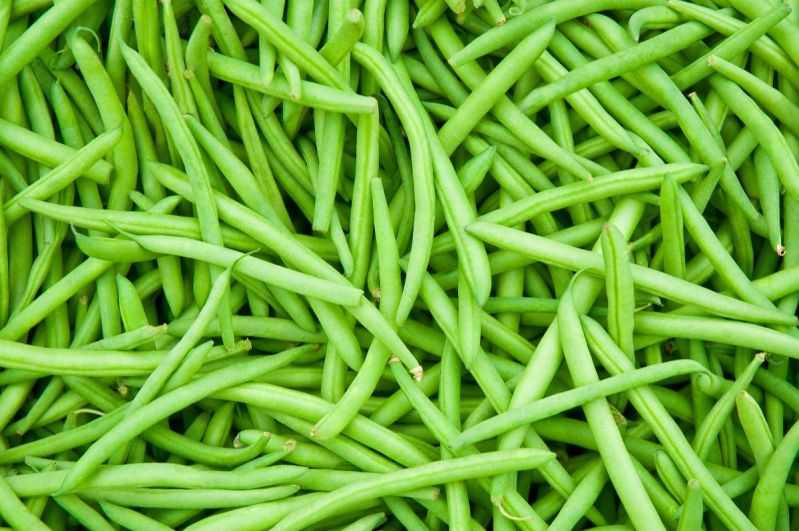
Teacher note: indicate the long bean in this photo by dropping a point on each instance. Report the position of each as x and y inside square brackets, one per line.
[416, 265]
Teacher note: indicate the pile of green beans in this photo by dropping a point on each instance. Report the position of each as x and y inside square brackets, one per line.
[465, 264]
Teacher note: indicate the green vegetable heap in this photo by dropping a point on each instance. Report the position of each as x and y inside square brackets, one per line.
[271, 264]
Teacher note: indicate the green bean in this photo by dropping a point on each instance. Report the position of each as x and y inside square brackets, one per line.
[758, 122]
[609, 441]
[286, 41]
[657, 82]
[641, 54]
[366, 523]
[130, 518]
[39, 270]
[156, 380]
[719, 330]
[83, 513]
[194, 361]
[669, 475]
[582, 498]
[14, 511]
[756, 428]
[5, 280]
[737, 43]
[560, 402]
[175, 64]
[143, 417]
[189, 499]
[397, 21]
[291, 252]
[421, 159]
[428, 13]
[666, 429]
[764, 47]
[361, 215]
[199, 179]
[472, 173]
[480, 101]
[656, 17]
[773, 100]
[265, 514]
[5, 16]
[653, 281]
[521, 126]
[238, 175]
[131, 308]
[135, 222]
[619, 287]
[340, 118]
[629, 181]
[765, 509]
[589, 109]
[257, 157]
[518, 27]
[486, 374]
[20, 323]
[671, 217]
[47, 151]
[340, 44]
[113, 115]
[44, 400]
[251, 266]
[468, 322]
[691, 515]
[414, 477]
[24, 49]
[722, 261]
[196, 57]
[89, 361]
[783, 33]
[458, 213]
[768, 186]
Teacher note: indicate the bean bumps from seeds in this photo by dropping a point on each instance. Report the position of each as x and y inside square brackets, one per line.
[380, 264]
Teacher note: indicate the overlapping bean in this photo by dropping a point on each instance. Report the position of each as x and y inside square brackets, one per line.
[401, 265]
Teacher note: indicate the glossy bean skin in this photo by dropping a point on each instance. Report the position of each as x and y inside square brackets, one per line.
[142, 418]
[548, 250]
[358, 180]
[563, 401]
[599, 416]
[679, 448]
